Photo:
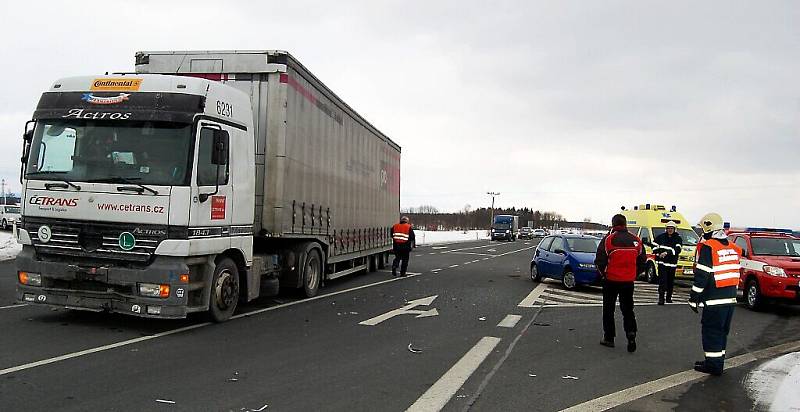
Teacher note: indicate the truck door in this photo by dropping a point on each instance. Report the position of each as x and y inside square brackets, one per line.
[211, 189]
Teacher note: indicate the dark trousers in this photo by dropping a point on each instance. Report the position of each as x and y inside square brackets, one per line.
[666, 281]
[625, 292]
[716, 323]
[401, 258]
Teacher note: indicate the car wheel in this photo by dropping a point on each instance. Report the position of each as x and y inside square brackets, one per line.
[535, 275]
[650, 274]
[568, 280]
[5, 225]
[224, 291]
[752, 295]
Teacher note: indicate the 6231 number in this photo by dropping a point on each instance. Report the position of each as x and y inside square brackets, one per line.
[224, 109]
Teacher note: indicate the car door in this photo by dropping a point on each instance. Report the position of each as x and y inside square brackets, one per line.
[556, 259]
[541, 255]
[742, 243]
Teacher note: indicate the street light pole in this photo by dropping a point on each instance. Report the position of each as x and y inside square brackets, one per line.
[491, 220]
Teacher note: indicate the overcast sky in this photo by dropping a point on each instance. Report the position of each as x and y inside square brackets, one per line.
[577, 107]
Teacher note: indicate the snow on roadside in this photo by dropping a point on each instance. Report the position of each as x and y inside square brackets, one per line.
[8, 246]
[428, 237]
[773, 385]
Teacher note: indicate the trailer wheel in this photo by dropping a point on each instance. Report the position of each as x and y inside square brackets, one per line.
[312, 273]
[372, 263]
[224, 291]
[382, 260]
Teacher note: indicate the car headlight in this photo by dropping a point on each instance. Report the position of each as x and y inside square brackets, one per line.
[774, 271]
[153, 290]
[586, 265]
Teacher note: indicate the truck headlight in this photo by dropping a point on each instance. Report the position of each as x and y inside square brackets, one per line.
[508, 231]
[774, 271]
[153, 290]
[586, 265]
[30, 279]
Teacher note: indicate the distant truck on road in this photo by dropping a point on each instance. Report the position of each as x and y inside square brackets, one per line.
[505, 227]
[205, 179]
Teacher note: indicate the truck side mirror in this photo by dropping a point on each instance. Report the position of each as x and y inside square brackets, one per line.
[219, 154]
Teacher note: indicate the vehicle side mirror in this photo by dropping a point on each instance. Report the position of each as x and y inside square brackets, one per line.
[219, 154]
[744, 253]
[560, 251]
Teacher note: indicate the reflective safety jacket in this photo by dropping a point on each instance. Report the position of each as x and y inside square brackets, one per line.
[716, 273]
[620, 256]
[669, 244]
[402, 236]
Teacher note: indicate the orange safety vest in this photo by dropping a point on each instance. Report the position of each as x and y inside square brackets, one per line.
[400, 232]
[725, 260]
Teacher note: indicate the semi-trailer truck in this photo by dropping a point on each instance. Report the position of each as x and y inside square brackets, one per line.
[202, 180]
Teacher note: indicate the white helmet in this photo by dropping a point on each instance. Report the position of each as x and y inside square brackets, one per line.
[672, 224]
[711, 222]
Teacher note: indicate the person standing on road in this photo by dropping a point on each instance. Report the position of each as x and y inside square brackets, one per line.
[402, 241]
[716, 277]
[667, 248]
[620, 258]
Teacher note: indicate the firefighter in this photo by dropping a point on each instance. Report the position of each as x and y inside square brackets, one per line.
[667, 248]
[620, 258]
[716, 276]
[402, 241]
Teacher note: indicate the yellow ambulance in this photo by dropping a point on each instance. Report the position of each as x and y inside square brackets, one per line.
[648, 221]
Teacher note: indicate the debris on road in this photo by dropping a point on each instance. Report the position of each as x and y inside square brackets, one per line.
[540, 324]
[413, 349]
[531, 375]
[569, 377]
[165, 401]
[482, 318]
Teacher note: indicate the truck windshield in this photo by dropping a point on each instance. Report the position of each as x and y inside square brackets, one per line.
[583, 245]
[775, 246]
[688, 236]
[155, 153]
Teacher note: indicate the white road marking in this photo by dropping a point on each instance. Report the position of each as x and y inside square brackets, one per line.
[14, 306]
[453, 266]
[407, 273]
[467, 263]
[437, 396]
[631, 394]
[405, 310]
[435, 270]
[515, 251]
[531, 298]
[438, 247]
[470, 253]
[509, 321]
[432, 253]
[186, 328]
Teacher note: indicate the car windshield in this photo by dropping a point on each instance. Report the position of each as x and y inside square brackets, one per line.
[154, 153]
[584, 245]
[12, 209]
[689, 237]
[775, 246]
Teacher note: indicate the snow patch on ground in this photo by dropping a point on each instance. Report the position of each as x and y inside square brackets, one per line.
[773, 385]
[428, 237]
[8, 246]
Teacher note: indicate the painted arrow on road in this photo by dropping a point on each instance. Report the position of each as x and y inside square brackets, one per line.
[406, 310]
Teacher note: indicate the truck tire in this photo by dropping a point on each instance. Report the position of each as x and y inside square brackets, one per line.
[382, 260]
[312, 273]
[224, 291]
[372, 263]
[752, 296]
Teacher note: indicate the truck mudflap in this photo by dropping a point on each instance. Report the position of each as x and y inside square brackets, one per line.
[105, 287]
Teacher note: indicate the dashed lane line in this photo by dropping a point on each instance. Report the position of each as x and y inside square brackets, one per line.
[631, 394]
[14, 306]
[435, 270]
[509, 321]
[437, 396]
[453, 266]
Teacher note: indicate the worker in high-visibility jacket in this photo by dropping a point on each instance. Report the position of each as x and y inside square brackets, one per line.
[667, 247]
[402, 242]
[716, 277]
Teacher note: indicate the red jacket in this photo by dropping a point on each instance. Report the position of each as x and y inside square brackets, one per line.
[620, 256]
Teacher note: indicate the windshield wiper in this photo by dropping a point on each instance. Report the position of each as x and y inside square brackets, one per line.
[129, 180]
[66, 185]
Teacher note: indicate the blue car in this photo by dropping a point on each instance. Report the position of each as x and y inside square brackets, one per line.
[568, 258]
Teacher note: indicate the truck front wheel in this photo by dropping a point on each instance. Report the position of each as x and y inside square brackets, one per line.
[224, 291]
[312, 273]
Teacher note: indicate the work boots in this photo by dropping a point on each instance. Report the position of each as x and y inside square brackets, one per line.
[631, 342]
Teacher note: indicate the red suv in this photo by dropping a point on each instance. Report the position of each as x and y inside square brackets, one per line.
[770, 267]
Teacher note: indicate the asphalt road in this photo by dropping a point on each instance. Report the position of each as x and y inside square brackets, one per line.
[337, 351]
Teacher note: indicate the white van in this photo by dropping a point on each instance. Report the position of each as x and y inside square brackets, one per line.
[9, 215]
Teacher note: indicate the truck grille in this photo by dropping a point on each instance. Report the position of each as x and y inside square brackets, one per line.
[96, 240]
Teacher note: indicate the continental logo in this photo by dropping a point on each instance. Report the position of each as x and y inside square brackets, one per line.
[122, 84]
[52, 201]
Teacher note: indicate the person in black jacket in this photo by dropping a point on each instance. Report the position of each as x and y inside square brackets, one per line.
[667, 248]
[620, 258]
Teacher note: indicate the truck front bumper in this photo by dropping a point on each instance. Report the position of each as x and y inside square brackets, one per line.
[105, 288]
